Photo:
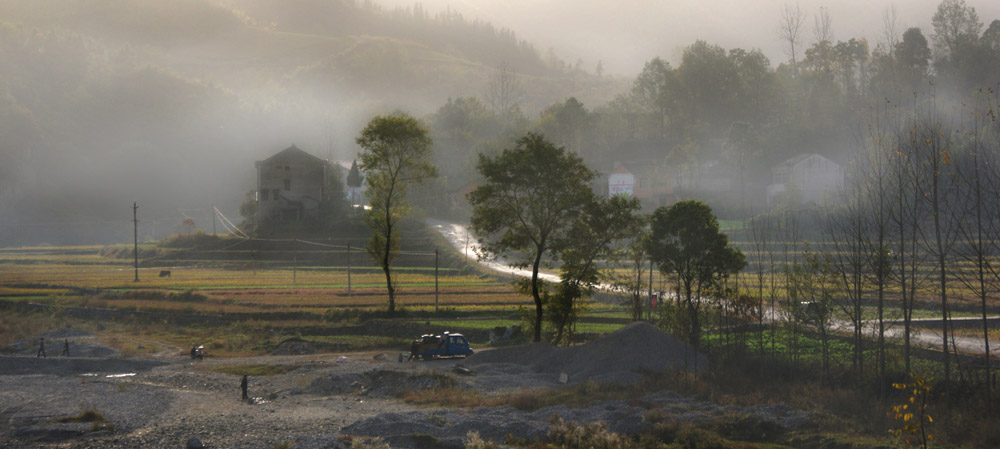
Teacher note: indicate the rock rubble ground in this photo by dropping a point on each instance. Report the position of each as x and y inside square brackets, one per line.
[168, 400]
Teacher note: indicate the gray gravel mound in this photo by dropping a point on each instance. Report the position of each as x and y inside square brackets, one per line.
[620, 357]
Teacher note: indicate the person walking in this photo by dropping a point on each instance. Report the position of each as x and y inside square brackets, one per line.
[41, 348]
[243, 386]
[65, 347]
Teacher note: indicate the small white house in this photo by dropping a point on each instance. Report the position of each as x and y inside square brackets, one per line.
[805, 179]
[621, 181]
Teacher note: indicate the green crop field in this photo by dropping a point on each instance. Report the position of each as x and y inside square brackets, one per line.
[237, 308]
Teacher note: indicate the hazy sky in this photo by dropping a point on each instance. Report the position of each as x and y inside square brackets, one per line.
[624, 34]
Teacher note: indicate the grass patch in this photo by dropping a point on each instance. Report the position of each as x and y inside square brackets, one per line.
[89, 415]
[98, 421]
[365, 342]
[255, 370]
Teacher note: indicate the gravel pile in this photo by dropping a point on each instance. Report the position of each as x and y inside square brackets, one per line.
[619, 357]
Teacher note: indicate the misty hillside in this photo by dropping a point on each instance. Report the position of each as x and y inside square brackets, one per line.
[106, 102]
[332, 46]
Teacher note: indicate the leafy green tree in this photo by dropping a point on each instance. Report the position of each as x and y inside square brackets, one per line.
[354, 179]
[248, 210]
[594, 237]
[742, 147]
[991, 37]
[627, 279]
[529, 199]
[395, 151]
[652, 92]
[333, 206]
[709, 79]
[756, 87]
[686, 243]
[567, 124]
[913, 58]
[954, 23]
[851, 59]
[819, 58]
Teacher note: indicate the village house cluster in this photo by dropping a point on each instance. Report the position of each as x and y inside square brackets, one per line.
[292, 184]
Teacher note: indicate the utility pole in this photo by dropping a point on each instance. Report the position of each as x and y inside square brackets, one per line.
[213, 219]
[435, 280]
[650, 290]
[348, 270]
[135, 239]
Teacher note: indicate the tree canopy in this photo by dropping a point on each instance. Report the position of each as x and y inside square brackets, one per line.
[395, 153]
[529, 199]
[686, 242]
[595, 237]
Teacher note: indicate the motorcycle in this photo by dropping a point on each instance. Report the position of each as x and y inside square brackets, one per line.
[197, 352]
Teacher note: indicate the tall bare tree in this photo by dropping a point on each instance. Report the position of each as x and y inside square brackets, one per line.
[936, 182]
[760, 244]
[789, 29]
[876, 191]
[978, 168]
[891, 29]
[504, 90]
[847, 228]
[823, 26]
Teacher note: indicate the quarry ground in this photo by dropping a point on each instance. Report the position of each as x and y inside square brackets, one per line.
[327, 400]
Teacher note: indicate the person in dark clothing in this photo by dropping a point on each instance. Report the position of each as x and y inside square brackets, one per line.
[66, 347]
[41, 349]
[243, 386]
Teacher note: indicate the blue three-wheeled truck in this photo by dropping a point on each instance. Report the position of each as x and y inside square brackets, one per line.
[447, 344]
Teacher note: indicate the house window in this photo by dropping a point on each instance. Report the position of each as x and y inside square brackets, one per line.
[263, 194]
[288, 184]
[276, 198]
